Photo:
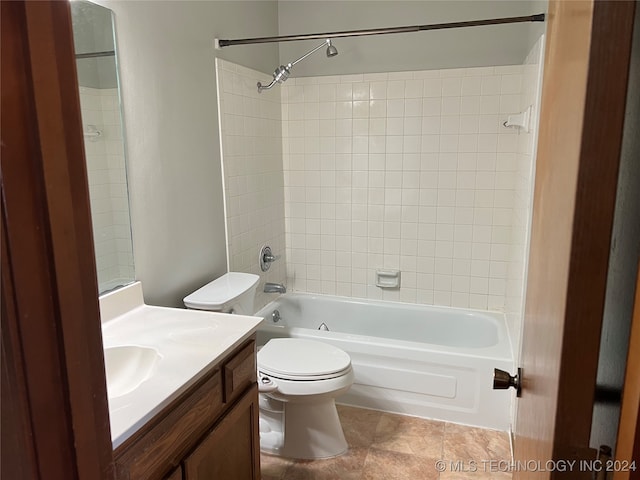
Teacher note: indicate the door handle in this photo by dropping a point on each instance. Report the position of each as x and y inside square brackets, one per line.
[503, 380]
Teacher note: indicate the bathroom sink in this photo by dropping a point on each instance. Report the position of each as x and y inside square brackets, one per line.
[127, 367]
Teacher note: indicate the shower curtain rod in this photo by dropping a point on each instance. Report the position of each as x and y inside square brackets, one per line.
[108, 53]
[382, 31]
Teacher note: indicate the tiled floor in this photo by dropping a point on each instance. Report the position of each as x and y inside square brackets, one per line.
[384, 446]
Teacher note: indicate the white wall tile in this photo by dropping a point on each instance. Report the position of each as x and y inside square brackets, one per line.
[451, 87]
[395, 89]
[422, 174]
[491, 85]
[432, 87]
[523, 80]
[253, 167]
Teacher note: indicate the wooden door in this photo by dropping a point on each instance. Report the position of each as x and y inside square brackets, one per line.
[231, 449]
[582, 115]
[55, 420]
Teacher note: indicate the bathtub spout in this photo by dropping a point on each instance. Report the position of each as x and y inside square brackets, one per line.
[274, 288]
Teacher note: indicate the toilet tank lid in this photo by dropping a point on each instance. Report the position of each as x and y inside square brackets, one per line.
[216, 294]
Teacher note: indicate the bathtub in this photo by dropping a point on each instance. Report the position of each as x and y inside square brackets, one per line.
[430, 362]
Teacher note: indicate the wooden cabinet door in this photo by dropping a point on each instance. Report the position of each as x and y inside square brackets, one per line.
[232, 449]
[175, 475]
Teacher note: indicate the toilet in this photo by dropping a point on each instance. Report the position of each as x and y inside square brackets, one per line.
[298, 379]
[233, 292]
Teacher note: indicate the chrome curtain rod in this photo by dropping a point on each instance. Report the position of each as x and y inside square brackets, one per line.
[383, 31]
[108, 53]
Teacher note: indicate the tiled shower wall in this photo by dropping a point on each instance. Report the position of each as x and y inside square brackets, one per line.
[251, 138]
[523, 199]
[107, 187]
[410, 171]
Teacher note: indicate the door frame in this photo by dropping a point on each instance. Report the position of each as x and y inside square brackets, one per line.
[55, 418]
[580, 136]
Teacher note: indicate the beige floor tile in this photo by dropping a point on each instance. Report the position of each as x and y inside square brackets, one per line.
[465, 443]
[345, 467]
[386, 446]
[475, 470]
[386, 465]
[359, 425]
[411, 435]
[480, 475]
[273, 467]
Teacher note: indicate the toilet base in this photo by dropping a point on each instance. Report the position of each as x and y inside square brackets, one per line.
[311, 431]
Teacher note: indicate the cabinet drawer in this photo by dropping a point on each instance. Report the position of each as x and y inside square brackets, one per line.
[240, 371]
[160, 447]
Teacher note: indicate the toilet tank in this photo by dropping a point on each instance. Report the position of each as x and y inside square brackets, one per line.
[233, 292]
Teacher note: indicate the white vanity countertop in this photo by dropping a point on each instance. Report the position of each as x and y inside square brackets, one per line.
[188, 341]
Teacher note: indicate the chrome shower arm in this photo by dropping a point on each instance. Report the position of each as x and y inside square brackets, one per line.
[266, 87]
[281, 74]
[313, 50]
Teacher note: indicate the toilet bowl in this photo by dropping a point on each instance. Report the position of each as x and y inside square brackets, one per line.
[298, 381]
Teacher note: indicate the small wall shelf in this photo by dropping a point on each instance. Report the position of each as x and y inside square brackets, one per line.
[519, 120]
[388, 278]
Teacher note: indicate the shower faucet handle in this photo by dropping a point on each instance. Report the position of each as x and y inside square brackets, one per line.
[270, 258]
[266, 258]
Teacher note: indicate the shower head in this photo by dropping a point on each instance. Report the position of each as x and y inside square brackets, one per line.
[282, 73]
[331, 50]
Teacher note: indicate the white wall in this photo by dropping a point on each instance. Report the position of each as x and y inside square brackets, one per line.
[251, 131]
[166, 62]
[468, 47]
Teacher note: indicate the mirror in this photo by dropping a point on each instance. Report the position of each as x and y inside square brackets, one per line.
[104, 143]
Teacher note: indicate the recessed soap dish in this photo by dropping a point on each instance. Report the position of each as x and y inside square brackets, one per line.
[388, 278]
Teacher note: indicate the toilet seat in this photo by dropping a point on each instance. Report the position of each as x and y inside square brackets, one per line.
[297, 359]
[302, 378]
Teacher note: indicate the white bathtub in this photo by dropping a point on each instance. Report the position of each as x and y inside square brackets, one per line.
[431, 362]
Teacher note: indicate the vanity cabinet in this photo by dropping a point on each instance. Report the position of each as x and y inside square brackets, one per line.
[175, 475]
[227, 451]
[208, 432]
